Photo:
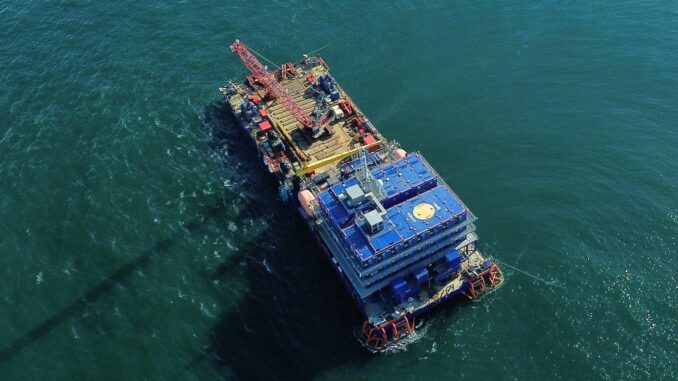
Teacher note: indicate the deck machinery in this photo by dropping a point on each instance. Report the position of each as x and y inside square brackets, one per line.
[400, 239]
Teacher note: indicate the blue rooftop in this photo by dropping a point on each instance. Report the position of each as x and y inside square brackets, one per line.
[401, 224]
[408, 183]
[405, 178]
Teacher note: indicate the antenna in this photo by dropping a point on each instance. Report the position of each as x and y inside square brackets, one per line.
[367, 179]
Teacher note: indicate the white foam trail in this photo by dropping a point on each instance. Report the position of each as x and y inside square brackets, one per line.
[267, 267]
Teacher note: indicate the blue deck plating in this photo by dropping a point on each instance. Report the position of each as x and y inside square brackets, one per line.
[402, 226]
[405, 178]
[406, 241]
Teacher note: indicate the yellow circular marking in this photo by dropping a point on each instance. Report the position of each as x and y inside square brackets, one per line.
[424, 211]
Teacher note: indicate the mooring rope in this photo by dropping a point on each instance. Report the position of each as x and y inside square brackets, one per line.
[317, 50]
[551, 283]
[262, 56]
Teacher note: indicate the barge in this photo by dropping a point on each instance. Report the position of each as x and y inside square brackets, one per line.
[399, 238]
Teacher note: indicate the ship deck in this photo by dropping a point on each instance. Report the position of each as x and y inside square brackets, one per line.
[313, 154]
[312, 150]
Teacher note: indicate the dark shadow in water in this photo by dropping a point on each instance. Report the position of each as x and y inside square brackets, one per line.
[296, 320]
[104, 287]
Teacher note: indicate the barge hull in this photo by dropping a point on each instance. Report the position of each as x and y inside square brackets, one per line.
[399, 238]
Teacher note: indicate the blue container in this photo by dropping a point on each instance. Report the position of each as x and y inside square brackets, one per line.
[398, 285]
[421, 276]
[443, 276]
[327, 83]
[402, 290]
[267, 147]
[449, 267]
[453, 258]
[334, 94]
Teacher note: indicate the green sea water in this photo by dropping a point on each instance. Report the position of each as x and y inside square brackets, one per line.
[140, 239]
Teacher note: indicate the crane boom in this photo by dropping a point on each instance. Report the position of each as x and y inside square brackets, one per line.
[270, 83]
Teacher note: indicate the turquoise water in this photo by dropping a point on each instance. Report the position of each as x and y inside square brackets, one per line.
[140, 239]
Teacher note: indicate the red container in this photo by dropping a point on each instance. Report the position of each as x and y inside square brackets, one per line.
[264, 126]
[369, 139]
[254, 99]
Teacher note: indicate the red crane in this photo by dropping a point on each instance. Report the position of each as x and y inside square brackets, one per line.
[270, 83]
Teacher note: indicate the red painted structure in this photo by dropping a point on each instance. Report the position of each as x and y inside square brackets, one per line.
[270, 84]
